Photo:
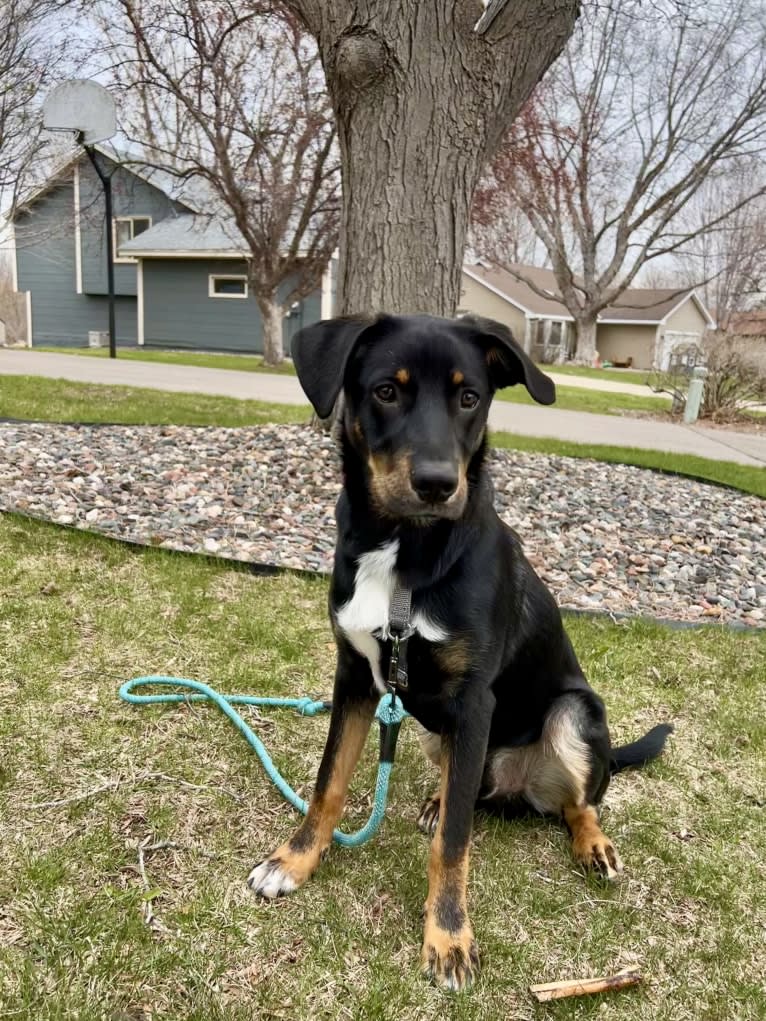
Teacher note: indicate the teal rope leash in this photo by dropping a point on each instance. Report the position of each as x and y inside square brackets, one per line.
[390, 713]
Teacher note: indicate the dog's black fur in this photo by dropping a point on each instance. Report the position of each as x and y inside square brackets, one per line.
[494, 681]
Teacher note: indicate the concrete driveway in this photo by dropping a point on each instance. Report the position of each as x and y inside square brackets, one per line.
[578, 427]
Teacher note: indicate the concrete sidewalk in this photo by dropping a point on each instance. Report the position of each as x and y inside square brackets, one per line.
[577, 427]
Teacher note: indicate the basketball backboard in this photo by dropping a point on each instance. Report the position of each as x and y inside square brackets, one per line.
[81, 106]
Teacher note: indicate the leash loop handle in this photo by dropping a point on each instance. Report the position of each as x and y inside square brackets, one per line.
[390, 712]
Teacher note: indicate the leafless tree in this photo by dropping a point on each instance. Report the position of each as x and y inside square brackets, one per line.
[422, 95]
[233, 95]
[30, 61]
[500, 230]
[643, 107]
[728, 263]
[12, 307]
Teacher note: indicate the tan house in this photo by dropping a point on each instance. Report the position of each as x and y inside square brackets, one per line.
[645, 329]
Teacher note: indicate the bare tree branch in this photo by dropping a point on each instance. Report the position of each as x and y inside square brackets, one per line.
[234, 97]
[620, 138]
[31, 61]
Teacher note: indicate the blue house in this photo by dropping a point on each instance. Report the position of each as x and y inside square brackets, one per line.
[180, 274]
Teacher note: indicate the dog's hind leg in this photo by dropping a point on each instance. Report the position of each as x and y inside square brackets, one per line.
[590, 846]
[564, 773]
[571, 777]
[428, 818]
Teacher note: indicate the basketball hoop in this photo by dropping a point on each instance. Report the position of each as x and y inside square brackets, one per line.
[87, 110]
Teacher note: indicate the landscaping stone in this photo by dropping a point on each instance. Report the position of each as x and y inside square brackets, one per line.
[602, 536]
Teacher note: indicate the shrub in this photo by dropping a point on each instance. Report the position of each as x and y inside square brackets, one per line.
[735, 381]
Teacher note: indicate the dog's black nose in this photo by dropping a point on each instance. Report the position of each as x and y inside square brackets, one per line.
[434, 481]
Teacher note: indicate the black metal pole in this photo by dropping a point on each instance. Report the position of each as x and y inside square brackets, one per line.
[106, 182]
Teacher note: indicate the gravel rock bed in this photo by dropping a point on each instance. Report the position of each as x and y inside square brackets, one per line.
[602, 536]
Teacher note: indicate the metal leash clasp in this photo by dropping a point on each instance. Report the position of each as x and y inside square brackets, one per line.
[397, 666]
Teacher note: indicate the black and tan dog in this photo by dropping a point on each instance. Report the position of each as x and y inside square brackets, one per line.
[503, 706]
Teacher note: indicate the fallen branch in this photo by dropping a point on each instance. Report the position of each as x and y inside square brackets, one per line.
[585, 986]
[139, 778]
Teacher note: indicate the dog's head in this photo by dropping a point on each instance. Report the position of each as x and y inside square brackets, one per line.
[417, 393]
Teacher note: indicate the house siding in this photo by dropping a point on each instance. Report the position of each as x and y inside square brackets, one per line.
[618, 343]
[689, 323]
[179, 312]
[45, 266]
[475, 297]
[131, 196]
[686, 319]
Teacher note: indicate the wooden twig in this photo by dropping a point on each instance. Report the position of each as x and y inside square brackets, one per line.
[585, 986]
[139, 778]
[144, 848]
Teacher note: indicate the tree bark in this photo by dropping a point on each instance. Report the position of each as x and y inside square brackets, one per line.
[272, 317]
[585, 349]
[421, 101]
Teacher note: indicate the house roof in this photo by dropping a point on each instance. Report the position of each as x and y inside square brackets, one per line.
[188, 236]
[191, 193]
[650, 305]
[517, 292]
[635, 305]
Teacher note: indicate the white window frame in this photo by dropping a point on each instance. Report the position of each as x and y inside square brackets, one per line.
[126, 219]
[211, 292]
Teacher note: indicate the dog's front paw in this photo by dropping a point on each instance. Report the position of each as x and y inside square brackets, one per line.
[600, 855]
[281, 873]
[451, 960]
[428, 819]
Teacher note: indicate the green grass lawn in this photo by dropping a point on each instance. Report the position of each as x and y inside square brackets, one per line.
[32, 397]
[634, 376]
[568, 398]
[254, 363]
[572, 398]
[58, 400]
[203, 359]
[728, 473]
[81, 614]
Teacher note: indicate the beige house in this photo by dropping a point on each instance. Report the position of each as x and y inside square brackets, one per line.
[645, 329]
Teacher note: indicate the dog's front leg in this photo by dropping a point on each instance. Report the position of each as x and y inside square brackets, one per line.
[292, 864]
[450, 956]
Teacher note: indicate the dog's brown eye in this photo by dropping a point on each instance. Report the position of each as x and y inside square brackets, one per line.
[469, 399]
[385, 393]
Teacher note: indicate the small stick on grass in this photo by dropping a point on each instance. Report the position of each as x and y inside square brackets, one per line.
[585, 986]
[144, 848]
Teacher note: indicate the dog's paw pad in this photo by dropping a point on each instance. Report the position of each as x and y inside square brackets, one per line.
[428, 819]
[453, 964]
[271, 879]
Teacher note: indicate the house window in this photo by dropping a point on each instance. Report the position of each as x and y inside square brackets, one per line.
[227, 285]
[125, 229]
[555, 334]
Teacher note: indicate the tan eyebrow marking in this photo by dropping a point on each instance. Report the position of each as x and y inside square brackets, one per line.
[403, 376]
[457, 377]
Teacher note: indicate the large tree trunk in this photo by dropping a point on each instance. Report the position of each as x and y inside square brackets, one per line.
[272, 317]
[421, 100]
[585, 350]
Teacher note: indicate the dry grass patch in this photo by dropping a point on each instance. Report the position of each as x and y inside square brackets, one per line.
[80, 614]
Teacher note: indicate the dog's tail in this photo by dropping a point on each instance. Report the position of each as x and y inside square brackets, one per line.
[642, 751]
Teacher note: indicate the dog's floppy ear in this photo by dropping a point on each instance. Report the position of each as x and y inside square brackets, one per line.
[508, 362]
[320, 353]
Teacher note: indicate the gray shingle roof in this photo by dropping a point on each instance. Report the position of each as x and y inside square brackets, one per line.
[197, 234]
[636, 304]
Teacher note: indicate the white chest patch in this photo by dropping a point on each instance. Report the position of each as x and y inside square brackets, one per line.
[367, 611]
